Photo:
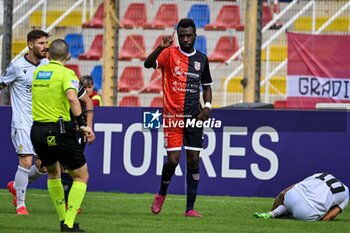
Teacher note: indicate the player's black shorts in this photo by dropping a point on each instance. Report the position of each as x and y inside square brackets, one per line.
[52, 146]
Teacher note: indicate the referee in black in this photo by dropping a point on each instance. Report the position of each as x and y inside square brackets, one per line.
[54, 93]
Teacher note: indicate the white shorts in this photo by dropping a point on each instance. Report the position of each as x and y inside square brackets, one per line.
[21, 141]
[298, 207]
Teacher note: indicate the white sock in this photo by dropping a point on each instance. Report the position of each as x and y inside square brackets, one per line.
[34, 174]
[279, 211]
[21, 183]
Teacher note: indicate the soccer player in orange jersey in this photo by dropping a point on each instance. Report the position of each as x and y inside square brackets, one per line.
[184, 70]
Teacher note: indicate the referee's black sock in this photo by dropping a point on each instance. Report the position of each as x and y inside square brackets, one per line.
[67, 182]
[167, 172]
[192, 186]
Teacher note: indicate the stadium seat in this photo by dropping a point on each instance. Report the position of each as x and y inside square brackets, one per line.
[157, 102]
[229, 17]
[200, 14]
[156, 83]
[131, 79]
[18, 46]
[130, 101]
[74, 67]
[96, 73]
[167, 16]
[95, 51]
[133, 47]
[97, 20]
[201, 44]
[135, 16]
[75, 43]
[224, 49]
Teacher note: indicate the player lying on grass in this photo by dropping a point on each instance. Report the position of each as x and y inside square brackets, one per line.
[318, 197]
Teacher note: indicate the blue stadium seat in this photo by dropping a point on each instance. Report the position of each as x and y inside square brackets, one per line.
[201, 44]
[75, 43]
[200, 14]
[96, 73]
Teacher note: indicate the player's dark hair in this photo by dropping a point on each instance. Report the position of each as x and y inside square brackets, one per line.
[185, 23]
[86, 81]
[58, 50]
[36, 34]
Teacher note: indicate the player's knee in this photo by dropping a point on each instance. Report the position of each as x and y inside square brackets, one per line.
[25, 162]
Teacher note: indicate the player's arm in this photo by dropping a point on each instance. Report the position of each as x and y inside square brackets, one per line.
[332, 213]
[78, 114]
[207, 98]
[8, 76]
[89, 109]
[150, 61]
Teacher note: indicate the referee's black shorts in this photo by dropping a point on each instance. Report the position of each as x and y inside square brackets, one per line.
[51, 146]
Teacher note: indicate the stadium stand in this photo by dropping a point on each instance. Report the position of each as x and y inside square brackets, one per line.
[159, 38]
[17, 46]
[131, 79]
[135, 16]
[201, 44]
[95, 51]
[96, 73]
[74, 19]
[97, 20]
[157, 102]
[133, 47]
[200, 13]
[75, 43]
[74, 67]
[224, 49]
[155, 85]
[229, 17]
[340, 24]
[130, 101]
[167, 16]
[277, 53]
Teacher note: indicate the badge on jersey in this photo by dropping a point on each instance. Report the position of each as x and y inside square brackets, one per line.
[75, 84]
[43, 75]
[197, 65]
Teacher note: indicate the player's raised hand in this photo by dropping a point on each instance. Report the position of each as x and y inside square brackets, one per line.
[167, 41]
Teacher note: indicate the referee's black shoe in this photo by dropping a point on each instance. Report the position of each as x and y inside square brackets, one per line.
[75, 228]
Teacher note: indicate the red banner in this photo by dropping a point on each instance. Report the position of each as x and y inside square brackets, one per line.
[318, 70]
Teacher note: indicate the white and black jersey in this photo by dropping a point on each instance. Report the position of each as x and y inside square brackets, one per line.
[18, 77]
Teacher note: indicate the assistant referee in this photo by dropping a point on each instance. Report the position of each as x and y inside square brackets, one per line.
[54, 92]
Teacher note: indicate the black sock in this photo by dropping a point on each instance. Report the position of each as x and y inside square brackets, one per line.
[67, 182]
[192, 186]
[167, 172]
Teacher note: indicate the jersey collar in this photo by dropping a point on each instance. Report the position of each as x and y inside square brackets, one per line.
[56, 62]
[29, 61]
[188, 54]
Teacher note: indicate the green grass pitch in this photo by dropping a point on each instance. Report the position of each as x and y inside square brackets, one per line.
[120, 212]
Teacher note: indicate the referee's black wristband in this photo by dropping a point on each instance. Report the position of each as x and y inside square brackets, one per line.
[80, 121]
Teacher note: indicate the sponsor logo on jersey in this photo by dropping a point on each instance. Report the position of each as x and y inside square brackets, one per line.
[75, 84]
[43, 75]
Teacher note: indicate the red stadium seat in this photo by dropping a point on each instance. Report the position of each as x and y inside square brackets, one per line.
[131, 79]
[95, 51]
[135, 16]
[224, 49]
[133, 47]
[130, 101]
[97, 20]
[157, 102]
[267, 17]
[156, 83]
[228, 17]
[167, 16]
[74, 67]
